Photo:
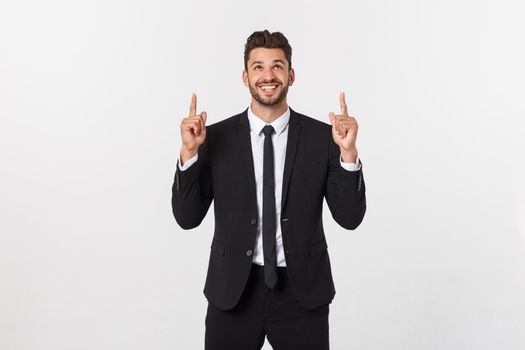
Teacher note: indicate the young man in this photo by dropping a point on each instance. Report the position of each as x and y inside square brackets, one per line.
[267, 170]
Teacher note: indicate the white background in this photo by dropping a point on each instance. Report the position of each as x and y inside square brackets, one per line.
[91, 98]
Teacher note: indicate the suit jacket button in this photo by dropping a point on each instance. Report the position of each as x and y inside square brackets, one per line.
[253, 221]
[249, 252]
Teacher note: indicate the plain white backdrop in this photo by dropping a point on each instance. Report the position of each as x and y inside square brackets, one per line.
[91, 98]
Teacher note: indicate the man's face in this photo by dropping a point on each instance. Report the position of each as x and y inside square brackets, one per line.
[267, 76]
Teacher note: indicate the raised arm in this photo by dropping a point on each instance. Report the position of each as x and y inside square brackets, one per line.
[345, 190]
[192, 191]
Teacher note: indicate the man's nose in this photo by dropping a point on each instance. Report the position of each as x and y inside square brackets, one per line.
[268, 74]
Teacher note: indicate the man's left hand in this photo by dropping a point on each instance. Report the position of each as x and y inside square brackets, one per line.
[344, 131]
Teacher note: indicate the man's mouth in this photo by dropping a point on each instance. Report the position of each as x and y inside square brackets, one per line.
[268, 88]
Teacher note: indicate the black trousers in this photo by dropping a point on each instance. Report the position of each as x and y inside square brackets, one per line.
[262, 312]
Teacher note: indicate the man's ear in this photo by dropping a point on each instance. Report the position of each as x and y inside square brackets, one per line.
[245, 78]
[291, 77]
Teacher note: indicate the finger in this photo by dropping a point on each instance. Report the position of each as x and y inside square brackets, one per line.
[337, 124]
[192, 120]
[342, 102]
[193, 105]
[351, 122]
[204, 116]
[331, 115]
[201, 121]
[347, 122]
[352, 128]
[334, 121]
[192, 123]
[197, 127]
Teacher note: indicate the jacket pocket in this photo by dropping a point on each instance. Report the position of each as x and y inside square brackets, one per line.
[318, 247]
[217, 247]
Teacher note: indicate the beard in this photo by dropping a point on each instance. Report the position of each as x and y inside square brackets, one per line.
[270, 100]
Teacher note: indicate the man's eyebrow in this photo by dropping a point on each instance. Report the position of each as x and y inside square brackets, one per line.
[274, 61]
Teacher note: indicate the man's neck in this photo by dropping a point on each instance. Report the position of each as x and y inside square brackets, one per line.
[269, 113]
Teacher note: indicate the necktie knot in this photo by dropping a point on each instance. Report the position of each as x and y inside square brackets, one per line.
[268, 130]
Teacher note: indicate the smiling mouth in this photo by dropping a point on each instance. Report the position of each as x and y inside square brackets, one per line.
[268, 87]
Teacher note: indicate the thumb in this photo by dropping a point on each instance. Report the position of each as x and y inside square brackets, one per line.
[204, 117]
[332, 117]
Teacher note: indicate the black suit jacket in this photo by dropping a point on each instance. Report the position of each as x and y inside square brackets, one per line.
[224, 173]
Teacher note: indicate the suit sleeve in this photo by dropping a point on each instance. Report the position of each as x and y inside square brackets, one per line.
[345, 190]
[192, 191]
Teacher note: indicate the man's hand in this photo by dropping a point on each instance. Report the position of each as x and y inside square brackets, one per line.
[344, 131]
[193, 131]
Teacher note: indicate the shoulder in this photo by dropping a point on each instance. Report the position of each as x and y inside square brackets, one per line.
[309, 122]
[228, 123]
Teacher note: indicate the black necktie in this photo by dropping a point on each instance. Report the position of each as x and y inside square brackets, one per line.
[269, 225]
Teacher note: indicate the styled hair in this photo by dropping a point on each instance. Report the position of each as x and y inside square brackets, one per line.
[267, 40]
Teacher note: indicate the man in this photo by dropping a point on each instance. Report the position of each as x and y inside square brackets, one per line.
[267, 170]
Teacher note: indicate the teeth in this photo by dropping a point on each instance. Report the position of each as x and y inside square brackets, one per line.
[267, 88]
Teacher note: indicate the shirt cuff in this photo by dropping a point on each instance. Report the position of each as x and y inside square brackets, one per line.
[188, 163]
[351, 166]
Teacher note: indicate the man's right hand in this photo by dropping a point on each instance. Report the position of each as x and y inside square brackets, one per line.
[193, 131]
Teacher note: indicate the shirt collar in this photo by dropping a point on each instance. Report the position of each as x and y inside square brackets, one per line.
[279, 124]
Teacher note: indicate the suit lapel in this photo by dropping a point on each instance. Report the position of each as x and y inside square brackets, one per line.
[294, 128]
[245, 144]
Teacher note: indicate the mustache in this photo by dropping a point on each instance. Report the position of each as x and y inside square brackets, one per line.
[272, 81]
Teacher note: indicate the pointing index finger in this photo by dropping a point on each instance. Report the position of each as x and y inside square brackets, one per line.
[193, 105]
[342, 102]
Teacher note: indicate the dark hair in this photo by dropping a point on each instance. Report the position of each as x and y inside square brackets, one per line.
[265, 39]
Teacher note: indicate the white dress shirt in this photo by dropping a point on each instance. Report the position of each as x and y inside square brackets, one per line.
[279, 141]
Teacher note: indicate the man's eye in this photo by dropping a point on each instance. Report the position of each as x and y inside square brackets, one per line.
[257, 67]
[277, 67]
